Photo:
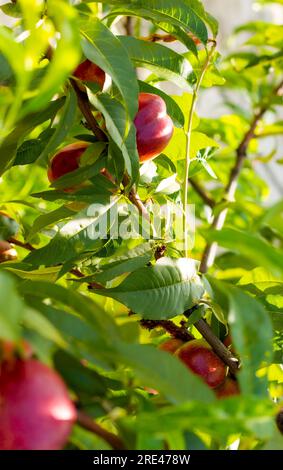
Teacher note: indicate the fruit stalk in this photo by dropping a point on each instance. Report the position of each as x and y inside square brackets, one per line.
[89, 424]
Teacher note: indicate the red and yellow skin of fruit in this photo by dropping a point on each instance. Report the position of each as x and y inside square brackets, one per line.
[171, 345]
[228, 389]
[10, 350]
[202, 361]
[7, 252]
[87, 71]
[66, 160]
[153, 125]
[36, 412]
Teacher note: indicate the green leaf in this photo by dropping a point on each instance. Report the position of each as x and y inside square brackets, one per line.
[65, 57]
[49, 218]
[161, 291]
[63, 126]
[207, 17]
[88, 194]
[30, 150]
[176, 149]
[78, 236]
[34, 320]
[9, 147]
[104, 49]
[6, 72]
[237, 415]
[112, 270]
[253, 344]
[81, 378]
[116, 124]
[212, 75]
[164, 62]
[12, 51]
[252, 246]
[251, 332]
[11, 9]
[179, 14]
[261, 279]
[11, 309]
[83, 306]
[171, 377]
[179, 34]
[8, 227]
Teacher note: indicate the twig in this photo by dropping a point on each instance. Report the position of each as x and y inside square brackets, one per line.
[89, 424]
[26, 246]
[168, 38]
[230, 190]
[85, 108]
[135, 199]
[218, 347]
[128, 25]
[202, 193]
[179, 332]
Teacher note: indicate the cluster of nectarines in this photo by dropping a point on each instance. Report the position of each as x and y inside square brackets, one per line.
[154, 128]
[198, 356]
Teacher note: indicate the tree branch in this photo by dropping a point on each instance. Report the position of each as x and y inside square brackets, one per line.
[135, 199]
[26, 246]
[89, 424]
[218, 347]
[85, 108]
[202, 193]
[128, 25]
[179, 332]
[230, 190]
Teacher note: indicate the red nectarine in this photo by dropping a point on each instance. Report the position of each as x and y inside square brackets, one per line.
[153, 125]
[171, 345]
[200, 359]
[87, 71]
[36, 412]
[229, 388]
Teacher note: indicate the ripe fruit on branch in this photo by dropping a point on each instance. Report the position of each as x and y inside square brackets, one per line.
[171, 345]
[153, 125]
[36, 412]
[87, 71]
[229, 388]
[7, 252]
[66, 160]
[200, 359]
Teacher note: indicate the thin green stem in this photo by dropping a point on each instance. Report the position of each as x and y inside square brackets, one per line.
[188, 146]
